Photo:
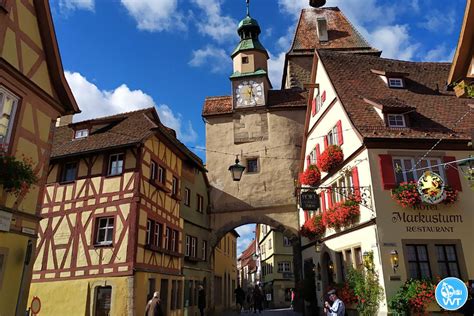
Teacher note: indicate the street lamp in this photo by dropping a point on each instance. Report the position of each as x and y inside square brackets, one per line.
[317, 3]
[394, 259]
[317, 246]
[236, 170]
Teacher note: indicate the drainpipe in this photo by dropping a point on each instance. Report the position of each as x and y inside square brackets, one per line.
[26, 262]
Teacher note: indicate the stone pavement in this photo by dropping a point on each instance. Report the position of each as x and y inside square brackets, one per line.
[267, 312]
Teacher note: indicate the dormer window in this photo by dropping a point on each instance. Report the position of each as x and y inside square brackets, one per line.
[81, 133]
[396, 120]
[245, 60]
[395, 83]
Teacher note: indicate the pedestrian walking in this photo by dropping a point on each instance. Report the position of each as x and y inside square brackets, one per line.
[337, 308]
[201, 299]
[239, 298]
[292, 296]
[257, 300]
[153, 307]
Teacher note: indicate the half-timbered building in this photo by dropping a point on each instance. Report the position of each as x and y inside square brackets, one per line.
[112, 229]
[33, 94]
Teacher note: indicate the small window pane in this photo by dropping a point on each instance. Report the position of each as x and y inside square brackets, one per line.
[453, 268]
[425, 270]
[252, 165]
[411, 253]
[440, 251]
[451, 253]
[422, 253]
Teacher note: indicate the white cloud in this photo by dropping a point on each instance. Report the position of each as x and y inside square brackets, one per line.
[155, 15]
[215, 59]
[275, 69]
[292, 7]
[69, 5]
[247, 230]
[219, 27]
[95, 102]
[437, 21]
[440, 53]
[394, 41]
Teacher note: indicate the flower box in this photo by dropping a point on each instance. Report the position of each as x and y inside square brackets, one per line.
[407, 195]
[16, 176]
[342, 214]
[310, 176]
[313, 228]
[330, 158]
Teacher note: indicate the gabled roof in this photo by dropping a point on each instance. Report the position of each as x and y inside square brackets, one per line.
[341, 33]
[432, 110]
[276, 99]
[53, 58]
[115, 131]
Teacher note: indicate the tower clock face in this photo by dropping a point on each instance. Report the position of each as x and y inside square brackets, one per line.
[249, 93]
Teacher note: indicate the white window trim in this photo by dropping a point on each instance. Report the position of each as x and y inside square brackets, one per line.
[200, 206]
[109, 171]
[188, 246]
[149, 225]
[175, 186]
[81, 133]
[107, 227]
[395, 116]
[157, 233]
[395, 82]
[193, 246]
[187, 196]
[6, 93]
[204, 250]
[332, 136]
[161, 174]
[405, 170]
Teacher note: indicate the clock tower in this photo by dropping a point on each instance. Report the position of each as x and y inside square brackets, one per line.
[250, 83]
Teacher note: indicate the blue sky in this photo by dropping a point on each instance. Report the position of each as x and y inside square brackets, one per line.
[121, 55]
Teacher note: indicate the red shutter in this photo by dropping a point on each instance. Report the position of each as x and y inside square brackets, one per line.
[313, 107]
[355, 181]
[323, 97]
[323, 201]
[329, 196]
[326, 142]
[308, 161]
[452, 174]
[387, 172]
[306, 215]
[340, 139]
[318, 152]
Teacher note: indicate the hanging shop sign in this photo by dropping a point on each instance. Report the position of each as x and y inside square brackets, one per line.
[431, 188]
[309, 200]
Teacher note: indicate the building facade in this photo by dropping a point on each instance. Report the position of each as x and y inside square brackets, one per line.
[111, 225]
[33, 94]
[247, 267]
[194, 209]
[276, 262]
[225, 273]
[388, 123]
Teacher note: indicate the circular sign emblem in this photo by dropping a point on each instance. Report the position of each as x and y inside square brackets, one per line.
[431, 188]
[35, 305]
[451, 294]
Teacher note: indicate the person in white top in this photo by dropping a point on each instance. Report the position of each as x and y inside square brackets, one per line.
[337, 308]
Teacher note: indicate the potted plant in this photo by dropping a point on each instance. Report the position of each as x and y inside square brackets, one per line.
[413, 297]
[16, 176]
[407, 195]
[342, 214]
[330, 158]
[310, 176]
[313, 228]
[464, 89]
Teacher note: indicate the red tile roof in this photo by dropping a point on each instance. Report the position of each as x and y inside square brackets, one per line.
[341, 33]
[432, 110]
[276, 99]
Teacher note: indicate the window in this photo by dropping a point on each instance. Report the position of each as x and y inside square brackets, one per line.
[151, 288]
[200, 203]
[175, 186]
[153, 171]
[284, 266]
[105, 230]
[396, 120]
[447, 261]
[157, 234]
[187, 251]
[193, 246]
[319, 103]
[312, 157]
[270, 244]
[149, 228]
[395, 82]
[167, 238]
[69, 172]
[245, 60]
[115, 164]
[103, 299]
[332, 136]
[187, 197]
[286, 241]
[174, 240]
[8, 104]
[161, 175]
[358, 257]
[252, 165]
[404, 166]
[82, 133]
[345, 181]
[204, 250]
[418, 263]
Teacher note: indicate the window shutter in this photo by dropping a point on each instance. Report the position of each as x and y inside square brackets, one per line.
[323, 98]
[387, 172]
[340, 139]
[452, 174]
[313, 107]
[323, 201]
[318, 152]
[308, 161]
[329, 196]
[306, 216]
[326, 142]
[355, 181]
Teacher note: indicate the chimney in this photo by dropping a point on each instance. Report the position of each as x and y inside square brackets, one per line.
[322, 25]
[64, 120]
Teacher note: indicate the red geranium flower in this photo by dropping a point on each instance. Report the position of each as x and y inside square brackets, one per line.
[330, 158]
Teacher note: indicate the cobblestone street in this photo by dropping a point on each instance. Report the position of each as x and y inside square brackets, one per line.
[267, 312]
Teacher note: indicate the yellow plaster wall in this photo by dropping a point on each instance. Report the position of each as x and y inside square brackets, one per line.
[57, 298]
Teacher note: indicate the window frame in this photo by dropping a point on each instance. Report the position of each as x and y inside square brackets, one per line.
[161, 174]
[417, 261]
[415, 175]
[245, 60]
[193, 252]
[64, 169]
[109, 166]
[81, 133]
[284, 267]
[175, 186]
[200, 203]
[153, 170]
[4, 92]
[257, 164]
[332, 136]
[187, 249]
[394, 116]
[187, 196]
[395, 82]
[98, 228]
[446, 262]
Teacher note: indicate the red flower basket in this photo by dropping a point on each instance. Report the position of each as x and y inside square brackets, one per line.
[407, 195]
[313, 228]
[451, 195]
[330, 158]
[310, 176]
[342, 214]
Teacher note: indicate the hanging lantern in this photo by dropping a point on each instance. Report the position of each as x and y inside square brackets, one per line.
[317, 3]
[236, 170]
